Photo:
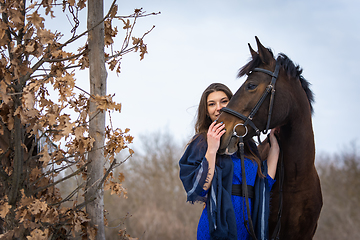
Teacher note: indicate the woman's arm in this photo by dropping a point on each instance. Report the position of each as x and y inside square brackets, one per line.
[273, 155]
[215, 131]
[263, 149]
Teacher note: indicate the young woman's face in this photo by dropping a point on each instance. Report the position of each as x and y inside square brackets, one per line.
[216, 101]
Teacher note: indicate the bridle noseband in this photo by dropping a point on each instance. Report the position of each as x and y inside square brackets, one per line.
[269, 89]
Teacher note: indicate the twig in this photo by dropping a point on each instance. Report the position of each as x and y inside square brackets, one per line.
[82, 34]
[142, 15]
[68, 58]
[61, 180]
[125, 51]
[84, 91]
[106, 174]
[69, 196]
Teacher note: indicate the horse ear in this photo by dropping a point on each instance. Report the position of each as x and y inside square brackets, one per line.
[253, 53]
[264, 53]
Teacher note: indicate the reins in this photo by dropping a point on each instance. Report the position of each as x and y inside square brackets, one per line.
[248, 121]
[244, 189]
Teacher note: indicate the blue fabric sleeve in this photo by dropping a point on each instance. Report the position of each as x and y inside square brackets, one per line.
[204, 193]
[194, 169]
[270, 181]
[268, 178]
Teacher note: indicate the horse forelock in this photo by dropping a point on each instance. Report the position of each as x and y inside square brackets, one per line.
[292, 70]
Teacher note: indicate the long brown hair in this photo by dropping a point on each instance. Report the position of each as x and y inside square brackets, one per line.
[204, 121]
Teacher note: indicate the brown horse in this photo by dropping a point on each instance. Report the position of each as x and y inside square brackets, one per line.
[291, 112]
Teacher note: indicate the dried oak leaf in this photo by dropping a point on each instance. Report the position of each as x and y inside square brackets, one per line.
[113, 11]
[51, 216]
[38, 234]
[4, 209]
[30, 47]
[110, 32]
[91, 232]
[23, 215]
[35, 19]
[35, 174]
[16, 17]
[9, 235]
[126, 24]
[121, 177]
[45, 158]
[71, 2]
[106, 103]
[81, 4]
[38, 206]
[25, 201]
[45, 36]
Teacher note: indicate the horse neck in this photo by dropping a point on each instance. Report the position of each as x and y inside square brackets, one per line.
[297, 143]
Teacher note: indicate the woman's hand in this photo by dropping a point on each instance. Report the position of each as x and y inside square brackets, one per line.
[216, 130]
[273, 139]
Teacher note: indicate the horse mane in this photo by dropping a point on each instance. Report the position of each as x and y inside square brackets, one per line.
[292, 70]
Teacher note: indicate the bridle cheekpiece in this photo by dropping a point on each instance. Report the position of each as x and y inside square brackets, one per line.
[249, 119]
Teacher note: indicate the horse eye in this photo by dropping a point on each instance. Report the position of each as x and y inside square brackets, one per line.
[251, 86]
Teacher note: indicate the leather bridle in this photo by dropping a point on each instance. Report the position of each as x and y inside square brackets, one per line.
[249, 121]
[269, 89]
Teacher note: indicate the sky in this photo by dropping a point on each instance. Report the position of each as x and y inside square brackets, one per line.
[198, 42]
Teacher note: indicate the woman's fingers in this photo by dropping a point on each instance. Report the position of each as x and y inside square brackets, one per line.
[273, 140]
[216, 128]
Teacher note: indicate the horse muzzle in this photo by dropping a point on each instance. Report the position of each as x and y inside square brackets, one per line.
[231, 147]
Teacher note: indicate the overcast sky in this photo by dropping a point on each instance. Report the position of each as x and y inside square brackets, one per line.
[196, 43]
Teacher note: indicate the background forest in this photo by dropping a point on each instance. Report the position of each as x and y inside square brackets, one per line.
[156, 206]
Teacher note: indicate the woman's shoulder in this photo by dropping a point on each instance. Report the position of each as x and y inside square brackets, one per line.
[195, 149]
[198, 139]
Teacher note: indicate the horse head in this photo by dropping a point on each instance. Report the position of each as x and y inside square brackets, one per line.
[241, 119]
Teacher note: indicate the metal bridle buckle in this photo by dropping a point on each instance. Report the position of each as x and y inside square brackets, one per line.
[235, 133]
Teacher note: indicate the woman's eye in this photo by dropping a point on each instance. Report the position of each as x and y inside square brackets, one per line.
[251, 86]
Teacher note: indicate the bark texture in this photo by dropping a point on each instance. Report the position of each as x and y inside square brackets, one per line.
[97, 72]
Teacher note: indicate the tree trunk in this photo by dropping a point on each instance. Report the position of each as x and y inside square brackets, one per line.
[97, 73]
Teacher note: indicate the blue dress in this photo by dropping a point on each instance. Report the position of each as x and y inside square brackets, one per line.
[237, 201]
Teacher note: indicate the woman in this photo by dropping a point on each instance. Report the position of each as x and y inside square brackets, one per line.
[212, 178]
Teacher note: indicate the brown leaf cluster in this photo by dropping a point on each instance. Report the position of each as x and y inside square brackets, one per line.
[114, 58]
[106, 103]
[139, 44]
[110, 32]
[41, 220]
[117, 140]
